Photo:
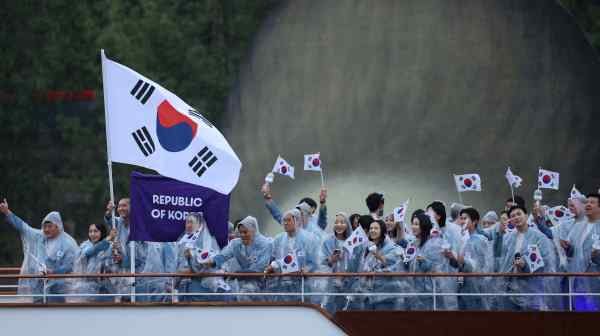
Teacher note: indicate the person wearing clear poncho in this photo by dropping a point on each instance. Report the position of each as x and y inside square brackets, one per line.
[121, 262]
[195, 248]
[252, 252]
[313, 223]
[490, 227]
[47, 251]
[160, 258]
[381, 255]
[583, 251]
[516, 249]
[474, 257]
[293, 249]
[426, 258]
[334, 258]
[94, 258]
[450, 233]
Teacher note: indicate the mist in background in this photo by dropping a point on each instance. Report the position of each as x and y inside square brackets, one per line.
[399, 95]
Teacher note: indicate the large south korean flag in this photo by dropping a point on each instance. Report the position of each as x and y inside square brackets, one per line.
[148, 126]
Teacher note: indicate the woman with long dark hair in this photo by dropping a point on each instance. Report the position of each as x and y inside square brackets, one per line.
[381, 255]
[423, 256]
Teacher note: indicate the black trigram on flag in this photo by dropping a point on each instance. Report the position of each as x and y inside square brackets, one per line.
[202, 161]
[196, 114]
[144, 141]
[142, 91]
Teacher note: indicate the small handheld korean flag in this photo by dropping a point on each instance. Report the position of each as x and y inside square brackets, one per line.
[534, 258]
[357, 238]
[289, 263]
[576, 194]
[205, 256]
[282, 167]
[410, 252]
[467, 182]
[560, 214]
[548, 179]
[400, 212]
[312, 162]
[513, 180]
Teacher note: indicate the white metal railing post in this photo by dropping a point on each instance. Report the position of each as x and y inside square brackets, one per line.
[45, 291]
[570, 282]
[302, 284]
[433, 294]
[173, 296]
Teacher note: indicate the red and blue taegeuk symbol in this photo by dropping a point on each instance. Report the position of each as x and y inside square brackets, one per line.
[288, 259]
[175, 130]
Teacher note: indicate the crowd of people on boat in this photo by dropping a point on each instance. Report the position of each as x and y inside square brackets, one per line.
[453, 239]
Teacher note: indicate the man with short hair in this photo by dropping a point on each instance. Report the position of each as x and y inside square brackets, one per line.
[375, 203]
[516, 247]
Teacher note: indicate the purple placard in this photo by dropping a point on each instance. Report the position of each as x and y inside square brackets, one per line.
[159, 206]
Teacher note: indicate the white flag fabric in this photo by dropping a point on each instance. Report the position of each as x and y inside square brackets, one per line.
[513, 180]
[282, 167]
[205, 256]
[400, 212]
[548, 179]
[148, 126]
[410, 252]
[467, 182]
[289, 263]
[560, 214]
[576, 193]
[357, 238]
[534, 258]
[312, 162]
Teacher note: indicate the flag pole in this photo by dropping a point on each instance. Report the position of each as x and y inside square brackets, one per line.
[108, 159]
[322, 178]
[109, 165]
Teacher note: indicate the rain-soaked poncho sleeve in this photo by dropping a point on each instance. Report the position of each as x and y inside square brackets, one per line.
[432, 254]
[274, 211]
[91, 250]
[24, 229]
[322, 222]
[227, 252]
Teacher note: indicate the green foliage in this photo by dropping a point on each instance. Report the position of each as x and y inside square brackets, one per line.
[587, 14]
[53, 154]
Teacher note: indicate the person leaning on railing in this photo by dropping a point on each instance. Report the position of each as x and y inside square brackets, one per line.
[294, 244]
[252, 251]
[47, 251]
[193, 248]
